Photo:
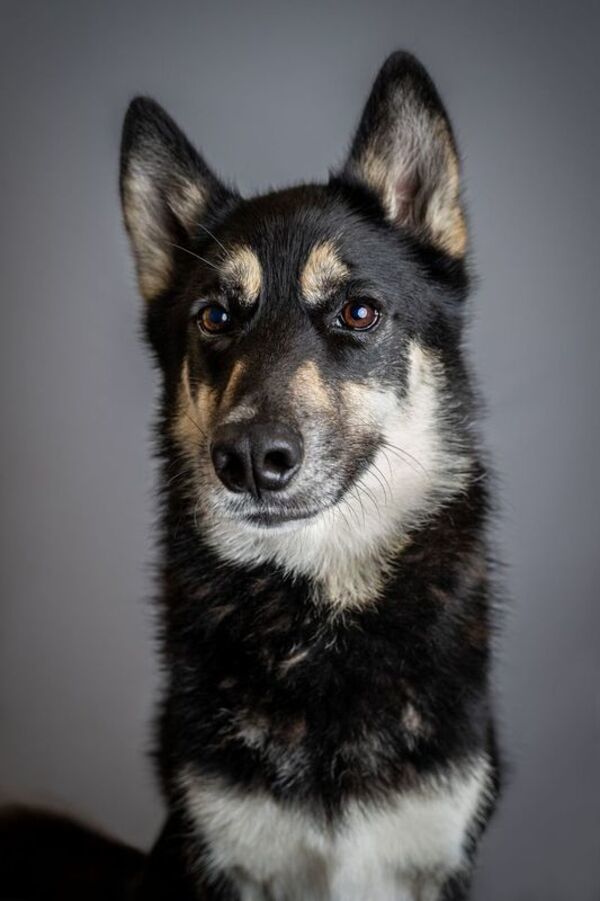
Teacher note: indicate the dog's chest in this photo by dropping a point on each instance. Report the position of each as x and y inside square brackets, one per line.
[401, 849]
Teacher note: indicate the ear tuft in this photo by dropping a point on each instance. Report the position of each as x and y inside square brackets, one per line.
[404, 151]
[166, 190]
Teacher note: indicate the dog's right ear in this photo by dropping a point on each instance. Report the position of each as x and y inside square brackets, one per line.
[404, 152]
[166, 191]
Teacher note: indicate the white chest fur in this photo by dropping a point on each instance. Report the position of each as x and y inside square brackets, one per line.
[400, 850]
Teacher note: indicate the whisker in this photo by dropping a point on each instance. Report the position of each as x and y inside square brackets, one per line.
[388, 461]
[353, 509]
[339, 508]
[355, 494]
[397, 453]
[369, 494]
[362, 506]
[196, 508]
[387, 494]
[179, 476]
[196, 255]
[416, 467]
[404, 453]
[193, 421]
[214, 237]
[343, 515]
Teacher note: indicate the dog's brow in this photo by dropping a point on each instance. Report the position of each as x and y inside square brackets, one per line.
[241, 271]
[322, 273]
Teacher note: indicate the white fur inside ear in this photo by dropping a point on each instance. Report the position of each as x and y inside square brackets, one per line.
[148, 203]
[411, 164]
[348, 549]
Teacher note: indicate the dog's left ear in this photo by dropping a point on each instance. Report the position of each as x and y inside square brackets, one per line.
[404, 152]
[167, 191]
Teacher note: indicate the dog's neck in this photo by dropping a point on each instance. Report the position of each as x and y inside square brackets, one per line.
[451, 540]
[259, 653]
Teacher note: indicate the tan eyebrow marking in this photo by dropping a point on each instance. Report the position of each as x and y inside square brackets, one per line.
[241, 270]
[322, 273]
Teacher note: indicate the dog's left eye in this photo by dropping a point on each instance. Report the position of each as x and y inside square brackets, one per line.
[359, 315]
[213, 319]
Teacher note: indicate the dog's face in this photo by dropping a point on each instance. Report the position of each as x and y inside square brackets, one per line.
[309, 338]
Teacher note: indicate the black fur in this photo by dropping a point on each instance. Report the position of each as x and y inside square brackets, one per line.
[428, 635]
[330, 729]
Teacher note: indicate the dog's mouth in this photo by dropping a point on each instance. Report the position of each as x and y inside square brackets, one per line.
[271, 516]
[282, 519]
[271, 513]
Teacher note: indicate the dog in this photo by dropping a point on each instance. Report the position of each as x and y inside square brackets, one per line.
[326, 592]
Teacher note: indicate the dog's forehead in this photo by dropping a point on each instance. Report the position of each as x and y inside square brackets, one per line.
[294, 241]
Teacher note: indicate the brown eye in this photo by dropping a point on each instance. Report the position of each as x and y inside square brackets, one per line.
[213, 319]
[359, 315]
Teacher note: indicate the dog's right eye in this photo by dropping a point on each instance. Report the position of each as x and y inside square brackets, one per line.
[213, 319]
[359, 316]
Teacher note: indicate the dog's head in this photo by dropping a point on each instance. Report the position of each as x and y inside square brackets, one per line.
[309, 338]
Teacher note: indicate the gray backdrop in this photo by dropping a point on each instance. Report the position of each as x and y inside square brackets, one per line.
[272, 94]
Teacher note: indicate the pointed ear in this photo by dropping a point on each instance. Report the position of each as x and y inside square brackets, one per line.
[404, 151]
[166, 190]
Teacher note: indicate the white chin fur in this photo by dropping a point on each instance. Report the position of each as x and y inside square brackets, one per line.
[347, 550]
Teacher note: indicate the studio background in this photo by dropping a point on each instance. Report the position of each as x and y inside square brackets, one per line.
[271, 92]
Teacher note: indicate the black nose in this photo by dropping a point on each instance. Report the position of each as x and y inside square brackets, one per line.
[255, 457]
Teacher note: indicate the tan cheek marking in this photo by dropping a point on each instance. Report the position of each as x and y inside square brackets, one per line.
[237, 373]
[322, 272]
[367, 405]
[356, 396]
[367, 402]
[308, 387]
[241, 270]
[193, 414]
